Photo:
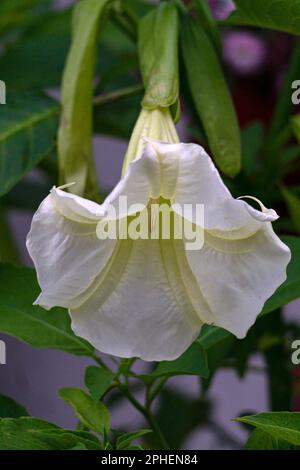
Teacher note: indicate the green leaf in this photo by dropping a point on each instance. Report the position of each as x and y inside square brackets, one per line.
[28, 125]
[191, 362]
[293, 204]
[9, 408]
[75, 132]
[281, 425]
[32, 324]
[209, 23]
[35, 434]
[158, 54]
[216, 342]
[211, 97]
[177, 416]
[125, 440]
[91, 413]
[79, 446]
[98, 380]
[290, 289]
[260, 440]
[280, 15]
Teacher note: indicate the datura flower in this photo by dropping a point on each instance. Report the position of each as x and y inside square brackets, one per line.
[149, 297]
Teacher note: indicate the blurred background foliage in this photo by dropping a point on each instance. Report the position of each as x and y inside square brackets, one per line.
[237, 63]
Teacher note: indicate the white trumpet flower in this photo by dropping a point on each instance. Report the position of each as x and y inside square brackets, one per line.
[148, 298]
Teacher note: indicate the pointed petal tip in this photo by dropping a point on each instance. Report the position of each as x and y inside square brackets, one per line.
[266, 215]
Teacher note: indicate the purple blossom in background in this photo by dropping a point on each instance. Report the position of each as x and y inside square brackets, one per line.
[221, 8]
[245, 52]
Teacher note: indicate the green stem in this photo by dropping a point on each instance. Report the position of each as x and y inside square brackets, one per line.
[155, 391]
[116, 95]
[101, 363]
[153, 423]
[147, 415]
[144, 410]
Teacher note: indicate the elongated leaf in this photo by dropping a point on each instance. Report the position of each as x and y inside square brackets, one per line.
[281, 15]
[216, 342]
[35, 434]
[208, 22]
[211, 97]
[191, 362]
[91, 413]
[75, 132]
[9, 408]
[293, 204]
[261, 440]
[158, 54]
[28, 125]
[98, 380]
[32, 324]
[125, 440]
[280, 425]
[79, 446]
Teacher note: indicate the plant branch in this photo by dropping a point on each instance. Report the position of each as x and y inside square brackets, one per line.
[154, 391]
[147, 415]
[101, 363]
[144, 410]
[116, 95]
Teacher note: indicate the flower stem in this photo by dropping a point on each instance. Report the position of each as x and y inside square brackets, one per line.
[147, 415]
[116, 95]
[155, 391]
[153, 423]
[144, 410]
[101, 363]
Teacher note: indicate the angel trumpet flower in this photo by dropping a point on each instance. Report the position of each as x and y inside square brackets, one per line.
[148, 298]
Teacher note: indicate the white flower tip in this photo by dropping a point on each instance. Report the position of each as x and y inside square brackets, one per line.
[65, 186]
[266, 215]
[38, 301]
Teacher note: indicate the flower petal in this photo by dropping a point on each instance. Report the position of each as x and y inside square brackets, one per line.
[139, 306]
[198, 182]
[76, 208]
[140, 182]
[64, 247]
[265, 215]
[237, 276]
